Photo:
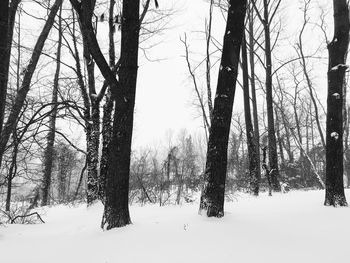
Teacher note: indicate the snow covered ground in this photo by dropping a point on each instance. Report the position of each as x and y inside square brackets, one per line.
[293, 227]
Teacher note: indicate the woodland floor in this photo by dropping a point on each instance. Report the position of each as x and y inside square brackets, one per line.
[292, 227]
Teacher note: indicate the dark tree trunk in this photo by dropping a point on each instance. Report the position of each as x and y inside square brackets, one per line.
[29, 71]
[213, 194]
[336, 78]
[49, 151]
[252, 83]
[4, 53]
[116, 213]
[272, 148]
[254, 175]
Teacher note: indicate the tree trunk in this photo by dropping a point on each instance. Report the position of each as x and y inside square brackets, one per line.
[336, 78]
[92, 130]
[4, 54]
[253, 89]
[272, 148]
[12, 171]
[116, 212]
[213, 194]
[254, 176]
[49, 151]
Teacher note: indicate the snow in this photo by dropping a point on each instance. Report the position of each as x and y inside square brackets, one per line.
[339, 66]
[335, 135]
[292, 227]
[336, 95]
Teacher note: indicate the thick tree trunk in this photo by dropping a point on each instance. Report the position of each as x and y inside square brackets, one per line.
[49, 151]
[272, 147]
[336, 78]
[254, 175]
[213, 194]
[29, 71]
[116, 213]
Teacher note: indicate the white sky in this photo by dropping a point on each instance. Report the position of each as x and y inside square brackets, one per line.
[165, 94]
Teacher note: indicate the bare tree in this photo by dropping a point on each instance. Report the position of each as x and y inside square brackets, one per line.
[49, 155]
[213, 194]
[266, 18]
[337, 50]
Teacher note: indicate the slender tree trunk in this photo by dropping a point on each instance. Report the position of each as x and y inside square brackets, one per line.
[12, 171]
[279, 138]
[22, 93]
[208, 63]
[49, 151]
[254, 176]
[307, 76]
[116, 212]
[252, 84]
[272, 148]
[336, 78]
[213, 194]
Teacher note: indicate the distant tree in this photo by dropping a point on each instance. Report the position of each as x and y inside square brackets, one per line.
[269, 11]
[337, 50]
[213, 194]
[66, 162]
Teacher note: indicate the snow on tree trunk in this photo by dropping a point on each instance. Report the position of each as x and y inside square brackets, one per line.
[213, 194]
[337, 50]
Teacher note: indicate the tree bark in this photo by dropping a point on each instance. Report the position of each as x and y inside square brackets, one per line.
[213, 194]
[337, 50]
[116, 212]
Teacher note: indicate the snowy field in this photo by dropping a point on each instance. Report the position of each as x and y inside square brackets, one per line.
[293, 227]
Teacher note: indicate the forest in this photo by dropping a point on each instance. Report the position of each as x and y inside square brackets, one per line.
[119, 113]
